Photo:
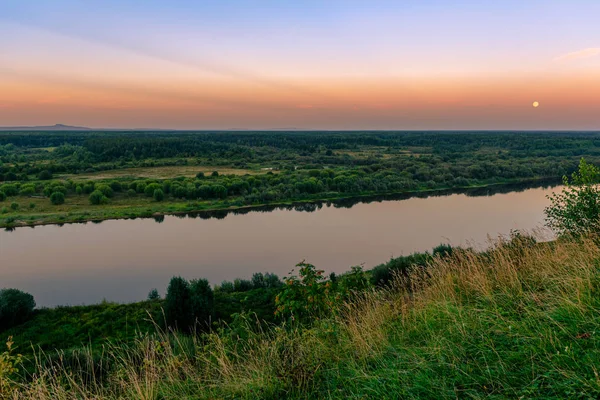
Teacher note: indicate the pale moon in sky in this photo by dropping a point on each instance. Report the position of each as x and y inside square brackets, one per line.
[536, 104]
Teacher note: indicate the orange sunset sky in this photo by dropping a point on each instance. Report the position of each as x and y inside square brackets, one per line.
[301, 64]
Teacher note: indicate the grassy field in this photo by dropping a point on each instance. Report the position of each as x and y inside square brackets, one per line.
[519, 321]
[160, 172]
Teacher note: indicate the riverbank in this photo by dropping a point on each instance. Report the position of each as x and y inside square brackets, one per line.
[517, 321]
[78, 209]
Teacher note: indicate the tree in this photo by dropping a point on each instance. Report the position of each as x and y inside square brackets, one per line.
[159, 195]
[57, 198]
[153, 295]
[202, 302]
[16, 307]
[575, 210]
[97, 197]
[178, 312]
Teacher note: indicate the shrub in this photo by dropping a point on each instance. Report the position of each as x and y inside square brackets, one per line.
[16, 307]
[88, 188]
[32, 205]
[305, 298]
[105, 189]
[178, 312]
[78, 190]
[200, 175]
[14, 206]
[159, 195]
[576, 209]
[2, 196]
[202, 302]
[9, 189]
[27, 190]
[153, 295]
[57, 198]
[45, 175]
[215, 173]
[4, 210]
[97, 197]
[116, 186]
[151, 188]
[131, 193]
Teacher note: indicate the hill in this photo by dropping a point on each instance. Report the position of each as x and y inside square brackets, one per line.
[518, 321]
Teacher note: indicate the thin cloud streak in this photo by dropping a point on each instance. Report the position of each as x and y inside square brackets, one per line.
[580, 54]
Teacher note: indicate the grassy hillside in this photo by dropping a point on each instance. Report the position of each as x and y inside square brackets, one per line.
[518, 321]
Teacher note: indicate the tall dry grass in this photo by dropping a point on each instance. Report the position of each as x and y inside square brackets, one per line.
[520, 320]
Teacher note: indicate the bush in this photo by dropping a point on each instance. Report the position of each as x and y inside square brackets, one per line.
[4, 210]
[45, 175]
[202, 302]
[32, 205]
[15, 307]
[178, 312]
[97, 197]
[153, 295]
[151, 188]
[576, 210]
[215, 173]
[2, 196]
[200, 175]
[105, 189]
[14, 206]
[78, 190]
[88, 188]
[27, 190]
[159, 195]
[131, 193]
[57, 198]
[9, 189]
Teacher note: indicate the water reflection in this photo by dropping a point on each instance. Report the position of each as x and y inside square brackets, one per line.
[122, 260]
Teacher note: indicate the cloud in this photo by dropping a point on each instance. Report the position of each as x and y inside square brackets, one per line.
[577, 55]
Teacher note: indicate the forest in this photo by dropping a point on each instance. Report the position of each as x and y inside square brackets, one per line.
[58, 177]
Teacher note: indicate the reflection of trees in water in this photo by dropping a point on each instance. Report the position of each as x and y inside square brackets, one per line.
[352, 201]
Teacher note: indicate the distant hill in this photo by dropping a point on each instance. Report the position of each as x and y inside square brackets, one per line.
[57, 127]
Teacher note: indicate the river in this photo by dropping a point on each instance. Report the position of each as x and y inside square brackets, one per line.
[121, 260]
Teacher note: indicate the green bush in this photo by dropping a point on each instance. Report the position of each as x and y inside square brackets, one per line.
[9, 189]
[576, 209]
[57, 198]
[14, 206]
[202, 303]
[159, 195]
[151, 188]
[78, 190]
[105, 189]
[97, 197]
[27, 190]
[45, 175]
[2, 196]
[4, 210]
[178, 311]
[15, 307]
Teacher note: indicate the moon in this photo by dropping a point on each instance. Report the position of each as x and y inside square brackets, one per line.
[536, 104]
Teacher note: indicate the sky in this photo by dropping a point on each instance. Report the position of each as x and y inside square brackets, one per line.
[303, 64]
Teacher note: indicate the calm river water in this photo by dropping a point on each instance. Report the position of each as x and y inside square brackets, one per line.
[122, 260]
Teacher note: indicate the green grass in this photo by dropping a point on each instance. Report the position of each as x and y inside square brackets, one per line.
[519, 321]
